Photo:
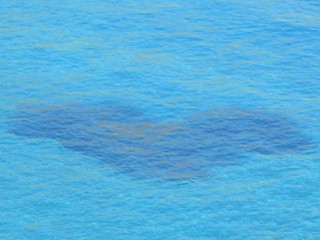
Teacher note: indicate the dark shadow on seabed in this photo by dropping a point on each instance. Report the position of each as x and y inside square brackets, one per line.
[128, 141]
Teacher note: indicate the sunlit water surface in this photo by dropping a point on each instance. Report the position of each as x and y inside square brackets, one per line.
[225, 91]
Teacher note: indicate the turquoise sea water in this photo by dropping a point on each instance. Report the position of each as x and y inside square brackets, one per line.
[172, 62]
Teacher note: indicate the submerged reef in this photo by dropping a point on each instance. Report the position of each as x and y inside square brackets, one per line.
[128, 141]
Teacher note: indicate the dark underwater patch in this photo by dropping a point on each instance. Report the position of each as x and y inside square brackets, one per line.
[125, 139]
[252, 130]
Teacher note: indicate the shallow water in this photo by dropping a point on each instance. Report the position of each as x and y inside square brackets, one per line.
[191, 67]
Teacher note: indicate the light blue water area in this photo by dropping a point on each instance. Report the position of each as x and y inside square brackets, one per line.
[100, 100]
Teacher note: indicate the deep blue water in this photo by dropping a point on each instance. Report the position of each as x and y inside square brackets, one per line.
[159, 120]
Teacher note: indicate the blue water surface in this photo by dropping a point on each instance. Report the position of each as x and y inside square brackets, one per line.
[237, 81]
